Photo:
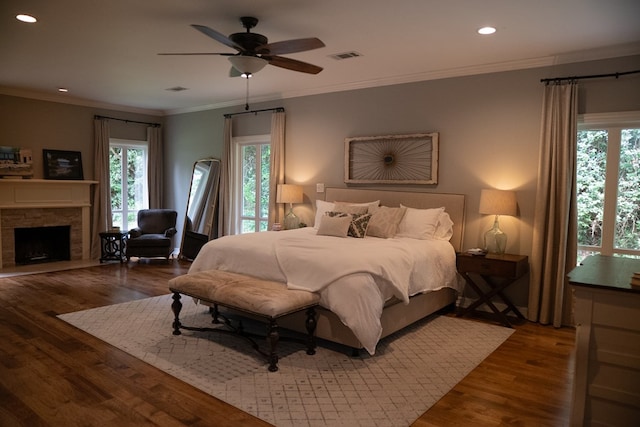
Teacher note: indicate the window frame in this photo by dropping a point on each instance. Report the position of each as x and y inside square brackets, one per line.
[613, 123]
[237, 189]
[127, 144]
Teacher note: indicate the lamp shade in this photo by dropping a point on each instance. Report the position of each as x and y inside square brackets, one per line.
[289, 193]
[498, 202]
[247, 64]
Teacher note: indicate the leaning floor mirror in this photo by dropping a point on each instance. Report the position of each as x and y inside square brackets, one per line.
[200, 221]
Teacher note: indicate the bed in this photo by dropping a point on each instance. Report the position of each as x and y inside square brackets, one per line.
[370, 287]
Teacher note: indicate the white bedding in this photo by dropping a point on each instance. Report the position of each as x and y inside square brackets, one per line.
[354, 277]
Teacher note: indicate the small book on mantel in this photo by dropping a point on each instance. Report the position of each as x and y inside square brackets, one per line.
[635, 279]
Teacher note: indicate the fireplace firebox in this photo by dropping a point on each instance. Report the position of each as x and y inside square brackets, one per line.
[35, 245]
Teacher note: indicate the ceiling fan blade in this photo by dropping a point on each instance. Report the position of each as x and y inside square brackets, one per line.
[218, 37]
[198, 53]
[292, 64]
[291, 46]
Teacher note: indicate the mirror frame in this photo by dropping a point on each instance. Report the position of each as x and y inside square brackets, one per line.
[192, 240]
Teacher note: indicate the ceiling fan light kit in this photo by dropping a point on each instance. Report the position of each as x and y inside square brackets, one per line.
[247, 65]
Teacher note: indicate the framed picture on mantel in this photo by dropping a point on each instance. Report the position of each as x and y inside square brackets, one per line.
[60, 164]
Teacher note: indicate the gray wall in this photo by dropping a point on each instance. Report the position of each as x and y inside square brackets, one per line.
[488, 125]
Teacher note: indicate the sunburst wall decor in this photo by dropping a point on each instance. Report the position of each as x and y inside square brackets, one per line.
[392, 159]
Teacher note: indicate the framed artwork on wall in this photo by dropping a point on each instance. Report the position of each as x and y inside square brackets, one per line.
[392, 159]
[60, 164]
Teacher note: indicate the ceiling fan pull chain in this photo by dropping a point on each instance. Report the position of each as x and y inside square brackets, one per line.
[246, 104]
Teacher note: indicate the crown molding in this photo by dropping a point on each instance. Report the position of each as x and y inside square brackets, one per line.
[64, 99]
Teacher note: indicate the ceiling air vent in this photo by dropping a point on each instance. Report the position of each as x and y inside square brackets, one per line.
[177, 89]
[345, 55]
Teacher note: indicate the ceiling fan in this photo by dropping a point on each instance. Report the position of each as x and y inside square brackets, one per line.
[255, 51]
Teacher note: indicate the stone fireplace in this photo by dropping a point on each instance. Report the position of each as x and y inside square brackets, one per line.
[37, 203]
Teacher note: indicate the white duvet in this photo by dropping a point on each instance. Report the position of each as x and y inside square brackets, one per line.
[354, 277]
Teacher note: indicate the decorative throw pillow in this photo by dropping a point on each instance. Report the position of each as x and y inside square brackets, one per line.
[337, 226]
[358, 224]
[384, 221]
[419, 223]
[322, 207]
[337, 214]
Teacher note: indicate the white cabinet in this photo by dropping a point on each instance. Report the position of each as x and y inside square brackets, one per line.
[607, 370]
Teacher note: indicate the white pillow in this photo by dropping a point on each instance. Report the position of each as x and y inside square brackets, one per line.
[419, 223]
[444, 229]
[334, 225]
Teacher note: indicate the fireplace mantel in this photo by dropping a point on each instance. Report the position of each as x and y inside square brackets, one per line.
[32, 200]
[44, 193]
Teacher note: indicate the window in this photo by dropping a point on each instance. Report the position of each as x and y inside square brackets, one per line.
[608, 193]
[251, 196]
[128, 181]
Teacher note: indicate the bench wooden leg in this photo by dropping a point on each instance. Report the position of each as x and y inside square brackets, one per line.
[311, 330]
[273, 337]
[215, 313]
[176, 306]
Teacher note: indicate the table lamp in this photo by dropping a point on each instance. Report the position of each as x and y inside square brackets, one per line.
[289, 193]
[497, 202]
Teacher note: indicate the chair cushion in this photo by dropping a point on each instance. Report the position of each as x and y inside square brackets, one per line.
[149, 240]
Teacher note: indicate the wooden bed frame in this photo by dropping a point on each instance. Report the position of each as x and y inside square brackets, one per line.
[395, 315]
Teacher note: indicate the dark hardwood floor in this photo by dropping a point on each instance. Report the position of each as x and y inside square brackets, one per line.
[52, 374]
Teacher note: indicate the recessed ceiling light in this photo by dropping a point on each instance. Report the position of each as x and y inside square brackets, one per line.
[486, 30]
[63, 89]
[26, 18]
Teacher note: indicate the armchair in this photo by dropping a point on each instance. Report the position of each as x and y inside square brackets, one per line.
[153, 237]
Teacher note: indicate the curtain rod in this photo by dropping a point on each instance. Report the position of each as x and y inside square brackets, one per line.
[127, 121]
[593, 76]
[277, 109]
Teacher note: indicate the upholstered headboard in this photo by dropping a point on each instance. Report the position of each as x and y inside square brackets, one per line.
[453, 203]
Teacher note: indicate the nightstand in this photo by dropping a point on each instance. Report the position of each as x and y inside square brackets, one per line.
[507, 268]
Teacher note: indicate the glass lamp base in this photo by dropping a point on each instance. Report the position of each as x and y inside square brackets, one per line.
[495, 240]
[291, 221]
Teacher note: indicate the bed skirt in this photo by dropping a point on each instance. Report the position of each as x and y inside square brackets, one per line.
[395, 316]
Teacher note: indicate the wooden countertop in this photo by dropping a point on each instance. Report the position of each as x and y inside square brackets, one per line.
[606, 272]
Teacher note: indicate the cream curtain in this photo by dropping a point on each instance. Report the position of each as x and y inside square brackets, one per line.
[101, 216]
[276, 167]
[555, 221]
[225, 225]
[155, 163]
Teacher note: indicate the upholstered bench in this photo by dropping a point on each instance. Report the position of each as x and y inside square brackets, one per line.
[260, 298]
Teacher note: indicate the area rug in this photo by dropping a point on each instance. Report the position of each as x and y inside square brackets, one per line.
[410, 371]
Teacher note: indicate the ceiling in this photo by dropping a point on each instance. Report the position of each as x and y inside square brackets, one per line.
[105, 52]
